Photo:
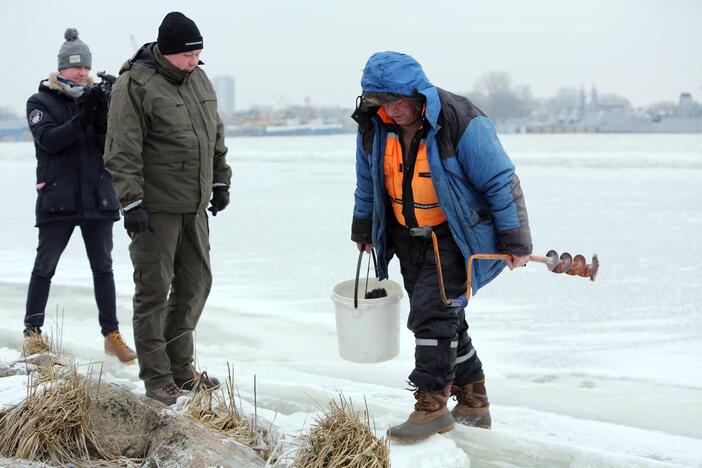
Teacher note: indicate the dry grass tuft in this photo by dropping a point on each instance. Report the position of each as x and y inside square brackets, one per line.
[215, 408]
[53, 423]
[47, 367]
[342, 437]
[41, 352]
[36, 343]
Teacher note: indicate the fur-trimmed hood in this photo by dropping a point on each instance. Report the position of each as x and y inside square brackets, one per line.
[53, 83]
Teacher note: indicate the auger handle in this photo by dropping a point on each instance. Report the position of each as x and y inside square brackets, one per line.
[564, 264]
[426, 232]
[469, 269]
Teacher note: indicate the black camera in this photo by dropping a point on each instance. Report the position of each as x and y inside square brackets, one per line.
[105, 84]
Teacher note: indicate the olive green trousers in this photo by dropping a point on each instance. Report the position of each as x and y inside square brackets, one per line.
[172, 280]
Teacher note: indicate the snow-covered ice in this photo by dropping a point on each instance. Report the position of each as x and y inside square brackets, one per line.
[578, 373]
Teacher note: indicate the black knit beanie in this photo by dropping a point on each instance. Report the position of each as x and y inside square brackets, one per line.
[177, 34]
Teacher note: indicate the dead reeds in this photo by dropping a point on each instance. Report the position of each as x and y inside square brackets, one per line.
[216, 408]
[36, 343]
[342, 437]
[44, 359]
[53, 423]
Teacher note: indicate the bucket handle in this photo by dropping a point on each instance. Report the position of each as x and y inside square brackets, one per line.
[358, 273]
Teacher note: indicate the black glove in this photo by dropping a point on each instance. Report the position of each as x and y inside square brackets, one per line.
[88, 107]
[136, 220]
[100, 119]
[220, 200]
[100, 94]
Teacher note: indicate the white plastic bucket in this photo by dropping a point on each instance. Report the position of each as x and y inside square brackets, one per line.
[371, 332]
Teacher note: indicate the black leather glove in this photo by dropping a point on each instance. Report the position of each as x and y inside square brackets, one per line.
[220, 200]
[88, 107]
[100, 119]
[136, 220]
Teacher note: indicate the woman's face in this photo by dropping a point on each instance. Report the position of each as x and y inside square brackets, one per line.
[78, 75]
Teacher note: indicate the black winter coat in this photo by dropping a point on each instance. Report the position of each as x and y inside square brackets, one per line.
[72, 182]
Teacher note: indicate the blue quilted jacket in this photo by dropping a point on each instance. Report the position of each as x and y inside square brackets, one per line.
[474, 178]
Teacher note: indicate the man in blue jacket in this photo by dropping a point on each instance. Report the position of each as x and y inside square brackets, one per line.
[68, 120]
[427, 157]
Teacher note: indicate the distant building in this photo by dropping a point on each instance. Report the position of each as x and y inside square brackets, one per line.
[594, 100]
[225, 89]
[686, 106]
[14, 130]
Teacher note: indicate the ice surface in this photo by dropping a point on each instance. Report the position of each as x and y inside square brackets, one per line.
[578, 373]
[13, 389]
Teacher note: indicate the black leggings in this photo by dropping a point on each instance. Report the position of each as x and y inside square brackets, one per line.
[53, 238]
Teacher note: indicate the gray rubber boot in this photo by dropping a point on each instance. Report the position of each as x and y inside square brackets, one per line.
[430, 416]
[473, 408]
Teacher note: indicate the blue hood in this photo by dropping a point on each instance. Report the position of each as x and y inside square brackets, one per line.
[393, 72]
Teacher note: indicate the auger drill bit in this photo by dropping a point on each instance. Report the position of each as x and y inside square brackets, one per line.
[575, 266]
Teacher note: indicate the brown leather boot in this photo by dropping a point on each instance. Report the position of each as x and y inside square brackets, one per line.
[430, 416]
[473, 408]
[168, 394]
[115, 346]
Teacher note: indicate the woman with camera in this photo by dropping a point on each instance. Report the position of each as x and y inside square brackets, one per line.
[68, 120]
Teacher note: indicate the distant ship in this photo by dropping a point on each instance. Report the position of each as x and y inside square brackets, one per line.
[290, 128]
[312, 128]
[598, 117]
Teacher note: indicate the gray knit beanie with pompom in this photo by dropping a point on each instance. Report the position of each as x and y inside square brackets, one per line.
[74, 52]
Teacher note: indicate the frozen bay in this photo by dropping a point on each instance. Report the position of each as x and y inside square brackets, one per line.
[578, 373]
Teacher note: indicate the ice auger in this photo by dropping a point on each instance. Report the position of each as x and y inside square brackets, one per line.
[566, 263]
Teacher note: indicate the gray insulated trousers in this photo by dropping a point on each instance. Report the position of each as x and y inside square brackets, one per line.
[444, 352]
[172, 279]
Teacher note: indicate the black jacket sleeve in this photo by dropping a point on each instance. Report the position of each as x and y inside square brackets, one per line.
[361, 230]
[50, 135]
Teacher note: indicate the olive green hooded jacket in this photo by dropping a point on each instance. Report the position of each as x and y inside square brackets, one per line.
[165, 141]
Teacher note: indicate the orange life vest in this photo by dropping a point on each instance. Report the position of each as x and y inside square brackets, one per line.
[426, 204]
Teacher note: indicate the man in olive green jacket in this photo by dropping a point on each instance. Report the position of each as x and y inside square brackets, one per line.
[165, 150]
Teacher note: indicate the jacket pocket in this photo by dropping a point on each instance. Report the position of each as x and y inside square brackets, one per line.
[106, 198]
[170, 118]
[57, 197]
[208, 107]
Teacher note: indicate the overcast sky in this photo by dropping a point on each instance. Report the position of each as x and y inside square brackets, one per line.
[283, 51]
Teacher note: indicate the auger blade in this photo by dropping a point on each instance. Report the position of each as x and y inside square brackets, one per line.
[551, 259]
[564, 263]
[592, 268]
[578, 266]
[575, 266]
